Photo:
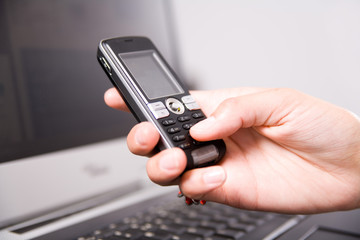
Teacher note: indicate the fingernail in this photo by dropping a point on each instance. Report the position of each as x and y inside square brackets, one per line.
[168, 161]
[139, 138]
[204, 125]
[215, 177]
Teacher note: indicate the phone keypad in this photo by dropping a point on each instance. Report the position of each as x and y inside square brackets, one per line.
[180, 132]
[178, 126]
[178, 129]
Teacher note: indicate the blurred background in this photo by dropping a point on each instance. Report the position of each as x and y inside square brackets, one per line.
[60, 143]
[310, 45]
[51, 84]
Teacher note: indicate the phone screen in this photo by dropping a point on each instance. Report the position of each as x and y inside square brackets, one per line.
[151, 74]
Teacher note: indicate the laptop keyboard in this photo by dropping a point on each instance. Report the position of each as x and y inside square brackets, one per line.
[176, 221]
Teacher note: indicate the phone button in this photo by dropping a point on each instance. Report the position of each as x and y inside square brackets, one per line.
[184, 146]
[187, 99]
[106, 65]
[168, 122]
[179, 138]
[190, 103]
[160, 113]
[197, 115]
[158, 109]
[188, 126]
[175, 106]
[156, 106]
[183, 118]
[192, 106]
[174, 130]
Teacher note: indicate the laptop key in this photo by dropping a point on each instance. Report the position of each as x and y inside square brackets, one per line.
[158, 235]
[187, 236]
[204, 232]
[225, 219]
[113, 238]
[213, 224]
[231, 233]
[251, 221]
[129, 234]
[218, 237]
[186, 222]
[106, 233]
[242, 227]
[173, 228]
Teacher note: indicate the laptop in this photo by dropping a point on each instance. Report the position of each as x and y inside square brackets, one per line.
[65, 170]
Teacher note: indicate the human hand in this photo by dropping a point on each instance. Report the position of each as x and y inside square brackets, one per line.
[286, 152]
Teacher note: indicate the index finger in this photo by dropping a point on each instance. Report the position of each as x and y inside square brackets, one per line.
[208, 100]
[113, 99]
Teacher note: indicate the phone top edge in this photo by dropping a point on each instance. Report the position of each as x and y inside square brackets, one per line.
[126, 39]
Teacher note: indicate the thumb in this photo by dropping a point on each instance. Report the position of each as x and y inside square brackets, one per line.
[266, 108]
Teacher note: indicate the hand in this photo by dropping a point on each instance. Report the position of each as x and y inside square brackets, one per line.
[286, 152]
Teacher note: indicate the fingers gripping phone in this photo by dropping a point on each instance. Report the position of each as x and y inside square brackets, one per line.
[153, 93]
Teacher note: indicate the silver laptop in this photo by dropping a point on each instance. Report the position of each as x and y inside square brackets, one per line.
[65, 170]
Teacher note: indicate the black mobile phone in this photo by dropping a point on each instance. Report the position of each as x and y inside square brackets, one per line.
[153, 92]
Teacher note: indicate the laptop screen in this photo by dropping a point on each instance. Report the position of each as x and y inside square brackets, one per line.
[51, 87]
[51, 99]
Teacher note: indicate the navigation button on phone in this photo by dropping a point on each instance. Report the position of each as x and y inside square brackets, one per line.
[160, 113]
[187, 99]
[156, 106]
[192, 106]
[175, 106]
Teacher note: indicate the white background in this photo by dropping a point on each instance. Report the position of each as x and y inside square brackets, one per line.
[310, 45]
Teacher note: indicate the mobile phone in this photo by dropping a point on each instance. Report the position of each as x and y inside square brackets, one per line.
[153, 92]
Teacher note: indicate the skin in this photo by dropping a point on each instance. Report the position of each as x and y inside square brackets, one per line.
[286, 151]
